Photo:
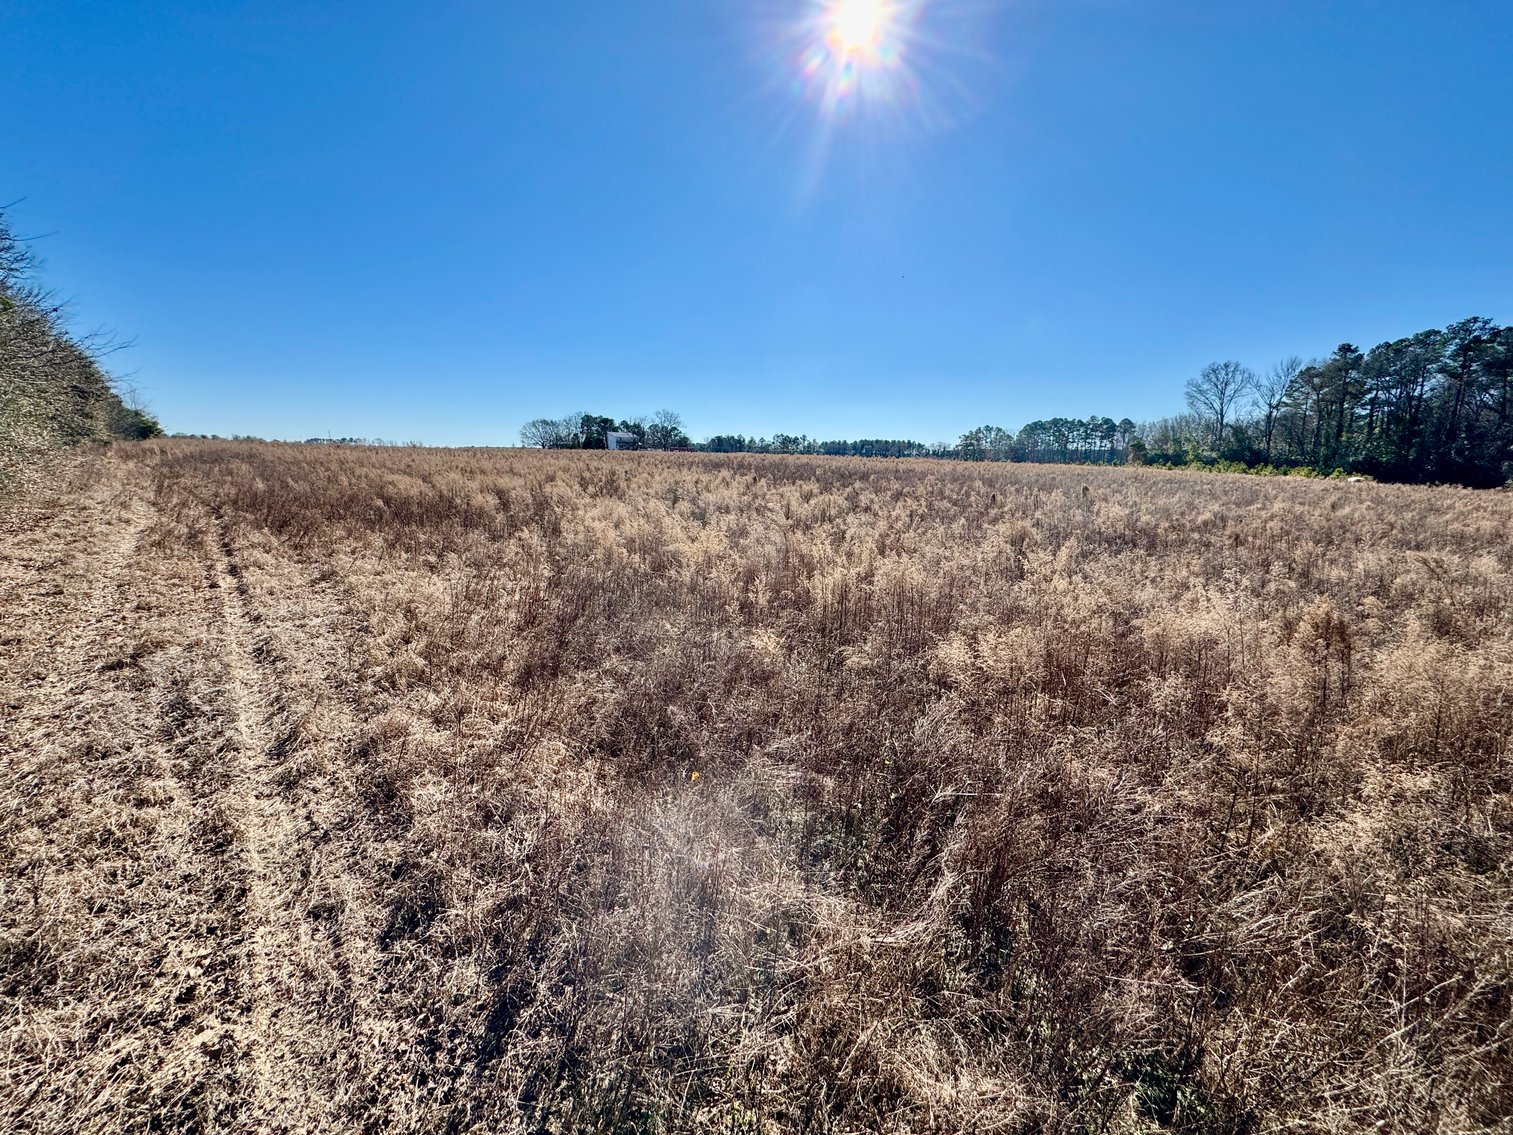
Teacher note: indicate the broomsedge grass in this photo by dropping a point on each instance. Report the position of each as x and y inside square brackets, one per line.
[641, 792]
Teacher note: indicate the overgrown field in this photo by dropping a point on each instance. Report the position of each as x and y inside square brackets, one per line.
[406, 790]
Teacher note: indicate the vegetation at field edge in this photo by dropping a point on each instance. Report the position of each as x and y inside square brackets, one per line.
[53, 391]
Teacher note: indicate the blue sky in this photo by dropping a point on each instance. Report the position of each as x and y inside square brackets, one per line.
[434, 222]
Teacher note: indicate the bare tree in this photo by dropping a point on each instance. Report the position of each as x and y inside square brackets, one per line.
[1273, 391]
[542, 433]
[665, 431]
[1216, 391]
[17, 263]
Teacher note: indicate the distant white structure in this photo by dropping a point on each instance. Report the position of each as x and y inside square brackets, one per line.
[621, 439]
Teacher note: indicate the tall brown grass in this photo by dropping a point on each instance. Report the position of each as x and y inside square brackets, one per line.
[682, 792]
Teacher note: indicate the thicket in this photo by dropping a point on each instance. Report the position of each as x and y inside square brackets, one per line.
[53, 391]
[1436, 406]
[1433, 407]
[751, 794]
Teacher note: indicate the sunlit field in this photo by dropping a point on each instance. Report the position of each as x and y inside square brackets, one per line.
[370, 790]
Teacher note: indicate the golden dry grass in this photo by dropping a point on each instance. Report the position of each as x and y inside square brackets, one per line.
[402, 790]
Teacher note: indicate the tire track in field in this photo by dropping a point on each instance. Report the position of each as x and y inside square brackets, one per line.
[62, 647]
[75, 631]
[107, 743]
[257, 806]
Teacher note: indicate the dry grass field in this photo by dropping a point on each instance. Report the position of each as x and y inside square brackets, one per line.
[410, 790]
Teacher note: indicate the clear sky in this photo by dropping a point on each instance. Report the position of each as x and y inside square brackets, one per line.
[435, 221]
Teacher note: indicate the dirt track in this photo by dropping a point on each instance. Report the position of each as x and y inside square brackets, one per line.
[161, 838]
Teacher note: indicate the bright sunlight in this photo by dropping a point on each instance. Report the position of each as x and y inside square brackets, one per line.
[859, 25]
[853, 51]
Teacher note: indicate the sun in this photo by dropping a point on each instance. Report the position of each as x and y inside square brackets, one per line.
[856, 57]
[868, 70]
[858, 26]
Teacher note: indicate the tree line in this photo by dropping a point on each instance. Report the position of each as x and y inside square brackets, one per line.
[1435, 406]
[803, 443]
[662, 430]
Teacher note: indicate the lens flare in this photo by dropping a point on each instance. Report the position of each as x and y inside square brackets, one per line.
[858, 25]
[854, 76]
[855, 51]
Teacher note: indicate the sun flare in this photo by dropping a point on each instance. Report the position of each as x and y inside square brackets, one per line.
[853, 51]
[858, 26]
[873, 65]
